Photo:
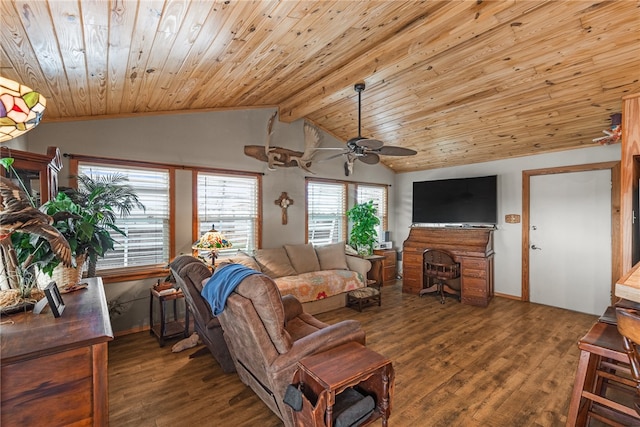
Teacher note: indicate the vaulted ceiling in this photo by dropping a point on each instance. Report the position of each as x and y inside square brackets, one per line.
[459, 81]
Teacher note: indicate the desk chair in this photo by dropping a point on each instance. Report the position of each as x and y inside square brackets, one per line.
[438, 268]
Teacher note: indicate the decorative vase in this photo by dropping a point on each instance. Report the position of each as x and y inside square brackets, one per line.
[63, 275]
[364, 251]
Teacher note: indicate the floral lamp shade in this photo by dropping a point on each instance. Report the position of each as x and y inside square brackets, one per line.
[212, 241]
[21, 109]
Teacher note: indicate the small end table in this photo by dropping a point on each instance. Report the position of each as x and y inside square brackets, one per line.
[329, 373]
[376, 272]
[165, 330]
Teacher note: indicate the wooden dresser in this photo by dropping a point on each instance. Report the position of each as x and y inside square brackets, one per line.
[471, 247]
[389, 267]
[54, 371]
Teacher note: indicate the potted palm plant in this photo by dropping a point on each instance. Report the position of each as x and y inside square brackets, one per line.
[363, 235]
[103, 199]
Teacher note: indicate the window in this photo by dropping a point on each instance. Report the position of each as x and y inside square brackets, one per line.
[147, 231]
[326, 207]
[377, 193]
[231, 203]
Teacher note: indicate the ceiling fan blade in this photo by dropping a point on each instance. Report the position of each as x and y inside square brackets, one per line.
[371, 144]
[388, 150]
[330, 157]
[369, 158]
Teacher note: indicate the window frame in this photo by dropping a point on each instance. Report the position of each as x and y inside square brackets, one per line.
[384, 218]
[195, 223]
[345, 204]
[124, 274]
[350, 199]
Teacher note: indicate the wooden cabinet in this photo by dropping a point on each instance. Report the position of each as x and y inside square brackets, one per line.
[389, 265]
[476, 280]
[39, 172]
[630, 176]
[54, 370]
[471, 247]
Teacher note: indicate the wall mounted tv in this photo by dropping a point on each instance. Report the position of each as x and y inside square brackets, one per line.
[463, 201]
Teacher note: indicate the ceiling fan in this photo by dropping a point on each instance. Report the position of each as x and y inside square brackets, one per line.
[367, 150]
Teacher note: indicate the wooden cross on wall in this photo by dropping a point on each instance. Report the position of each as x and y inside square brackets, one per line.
[284, 202]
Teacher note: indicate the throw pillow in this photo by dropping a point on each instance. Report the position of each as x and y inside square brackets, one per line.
[274, 262]
[332, 257]
[303, 258]
[244, 259]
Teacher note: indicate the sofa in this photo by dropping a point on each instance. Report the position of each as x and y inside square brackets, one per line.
[318, 276]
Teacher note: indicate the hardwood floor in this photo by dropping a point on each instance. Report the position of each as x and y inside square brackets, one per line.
[510, 364]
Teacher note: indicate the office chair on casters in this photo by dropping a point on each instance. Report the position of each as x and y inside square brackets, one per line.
[439, 267]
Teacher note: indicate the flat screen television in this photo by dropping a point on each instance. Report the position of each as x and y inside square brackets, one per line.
[461, 201]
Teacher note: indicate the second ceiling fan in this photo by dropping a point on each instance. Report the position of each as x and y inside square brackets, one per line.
[367, 150]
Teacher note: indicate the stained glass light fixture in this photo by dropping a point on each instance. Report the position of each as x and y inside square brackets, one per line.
[21, 109]
[211, 241]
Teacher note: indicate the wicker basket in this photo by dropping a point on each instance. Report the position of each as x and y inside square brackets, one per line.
[63, 275]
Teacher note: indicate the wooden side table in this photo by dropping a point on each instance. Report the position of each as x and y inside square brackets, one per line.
[324, 375]
[389, 265]
[165, 330]
[376, 272]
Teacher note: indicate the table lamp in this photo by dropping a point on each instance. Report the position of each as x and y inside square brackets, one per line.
[212, 241]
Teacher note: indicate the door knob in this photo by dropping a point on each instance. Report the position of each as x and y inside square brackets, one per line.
[534, 247]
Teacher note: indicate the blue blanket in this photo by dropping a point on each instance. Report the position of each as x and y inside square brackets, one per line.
[222, 283]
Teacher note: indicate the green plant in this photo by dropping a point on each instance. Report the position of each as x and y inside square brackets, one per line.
[102, 200]
[20, 275]
[363, 235]
[92, 211]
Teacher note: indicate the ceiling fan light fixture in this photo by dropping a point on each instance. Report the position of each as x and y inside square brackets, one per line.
[366, 150]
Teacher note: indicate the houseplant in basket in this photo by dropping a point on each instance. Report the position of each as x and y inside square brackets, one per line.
[94, 208]
[363, 235]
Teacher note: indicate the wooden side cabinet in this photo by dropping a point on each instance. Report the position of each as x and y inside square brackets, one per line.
[476, 280]
[54, 370]
[389, 265]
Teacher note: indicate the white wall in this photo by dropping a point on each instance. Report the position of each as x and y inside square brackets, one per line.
[217, 139]
[507, 237]
[211, 139]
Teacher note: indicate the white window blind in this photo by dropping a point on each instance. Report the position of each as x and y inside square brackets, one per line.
[378, 194]
[326, 207]
[147, 231]
[230, 202]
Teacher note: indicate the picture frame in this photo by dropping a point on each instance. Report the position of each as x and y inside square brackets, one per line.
[54, 298]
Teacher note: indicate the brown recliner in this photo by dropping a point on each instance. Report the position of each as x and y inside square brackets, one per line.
[189, 272]
[268, 334]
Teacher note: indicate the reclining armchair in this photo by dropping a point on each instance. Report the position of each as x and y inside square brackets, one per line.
[189, 272]
[268, 334]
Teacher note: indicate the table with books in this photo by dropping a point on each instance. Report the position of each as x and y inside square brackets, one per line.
[164, 293]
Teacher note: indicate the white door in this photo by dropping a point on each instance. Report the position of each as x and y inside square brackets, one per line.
[570, 240]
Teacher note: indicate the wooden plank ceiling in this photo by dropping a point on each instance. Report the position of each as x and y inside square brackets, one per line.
[460, 82]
